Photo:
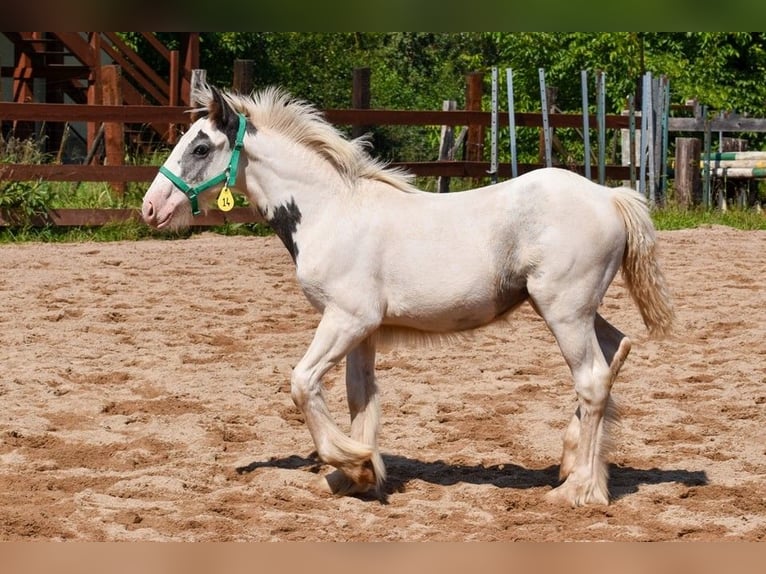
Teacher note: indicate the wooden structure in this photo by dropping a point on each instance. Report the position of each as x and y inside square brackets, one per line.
[698, 168]
[79, 67]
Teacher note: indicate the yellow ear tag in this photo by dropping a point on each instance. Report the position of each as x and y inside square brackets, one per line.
[225, 199]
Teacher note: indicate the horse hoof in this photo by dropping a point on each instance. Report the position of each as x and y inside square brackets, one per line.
[341, 485]
[571, 494]
[559, 497]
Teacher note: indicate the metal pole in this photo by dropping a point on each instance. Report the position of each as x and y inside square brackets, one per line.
[720, 134]
[632, 135]
[585, 121]
[546, 129]
[651, 137]
[645, 99]
[512, 124]
[601, 104]
[706, 199]
[665, 145]
[493, 148]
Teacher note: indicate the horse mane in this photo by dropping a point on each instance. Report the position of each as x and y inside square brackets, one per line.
[274, 108]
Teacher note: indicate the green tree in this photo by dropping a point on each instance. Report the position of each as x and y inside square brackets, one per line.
[721, 70]
[418, 70]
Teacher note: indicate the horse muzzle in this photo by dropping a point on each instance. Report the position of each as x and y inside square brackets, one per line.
[163, 206]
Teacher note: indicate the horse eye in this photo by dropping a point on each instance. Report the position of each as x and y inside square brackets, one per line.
[201, 150]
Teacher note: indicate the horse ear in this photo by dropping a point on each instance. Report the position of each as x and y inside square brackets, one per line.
[219, 110]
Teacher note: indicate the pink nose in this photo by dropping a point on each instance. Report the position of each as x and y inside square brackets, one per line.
[148, 213]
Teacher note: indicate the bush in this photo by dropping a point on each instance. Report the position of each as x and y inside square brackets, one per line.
[22, 200]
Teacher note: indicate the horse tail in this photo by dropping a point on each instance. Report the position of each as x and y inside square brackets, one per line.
[640, 266]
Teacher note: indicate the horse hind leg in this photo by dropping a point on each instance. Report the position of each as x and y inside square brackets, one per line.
[614, 346]
[362, 394]
[594, 351]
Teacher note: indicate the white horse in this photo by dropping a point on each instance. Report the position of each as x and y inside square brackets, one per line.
[383, 261]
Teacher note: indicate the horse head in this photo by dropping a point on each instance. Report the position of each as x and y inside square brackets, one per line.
[205, 160]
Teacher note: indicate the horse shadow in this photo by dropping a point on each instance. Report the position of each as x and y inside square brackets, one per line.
[623, 480]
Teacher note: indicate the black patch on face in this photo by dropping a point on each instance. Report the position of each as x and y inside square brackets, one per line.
[192, 165]
[284, 221]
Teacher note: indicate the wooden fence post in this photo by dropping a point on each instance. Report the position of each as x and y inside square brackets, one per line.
[688, 183]
[739, 189]
[174, 91]
[23, 91]
[551, 97]
[475, 141]
[360, 97]
[114, 132]
[94, 87]
[244, 76]
[446, 146]
[174, 85]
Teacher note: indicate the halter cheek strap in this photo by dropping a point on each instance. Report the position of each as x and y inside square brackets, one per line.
[228, 177]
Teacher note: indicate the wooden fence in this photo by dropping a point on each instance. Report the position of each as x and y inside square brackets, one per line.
[174, 115]
[116, 115]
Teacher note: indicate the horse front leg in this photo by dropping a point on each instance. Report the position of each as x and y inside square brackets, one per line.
[338, 333]
[362, 394]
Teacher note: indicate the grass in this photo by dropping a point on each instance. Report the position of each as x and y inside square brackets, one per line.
[123, 231]
[672, 218]
[666, 219]
[93, 195]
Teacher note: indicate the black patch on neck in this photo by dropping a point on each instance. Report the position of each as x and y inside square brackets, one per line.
[230, 129]
[284, 221]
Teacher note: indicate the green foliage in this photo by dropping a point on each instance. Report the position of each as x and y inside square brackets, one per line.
[21, 200]
[409, 70]
[95, 194]
[247, 229]
[418, 70]
[721, 70]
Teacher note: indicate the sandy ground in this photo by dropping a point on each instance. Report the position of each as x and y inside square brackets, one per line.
[145, 396]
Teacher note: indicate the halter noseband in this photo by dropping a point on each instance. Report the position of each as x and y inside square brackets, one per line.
[229, 176]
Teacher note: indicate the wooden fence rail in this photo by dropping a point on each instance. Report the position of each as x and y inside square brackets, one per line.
[12, 111]
[98, 217]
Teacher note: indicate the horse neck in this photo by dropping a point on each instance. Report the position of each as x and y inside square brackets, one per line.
[282, 175]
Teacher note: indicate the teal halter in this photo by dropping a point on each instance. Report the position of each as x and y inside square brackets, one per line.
[229, 176]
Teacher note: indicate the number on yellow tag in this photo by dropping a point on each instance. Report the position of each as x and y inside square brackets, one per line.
[225, 199]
